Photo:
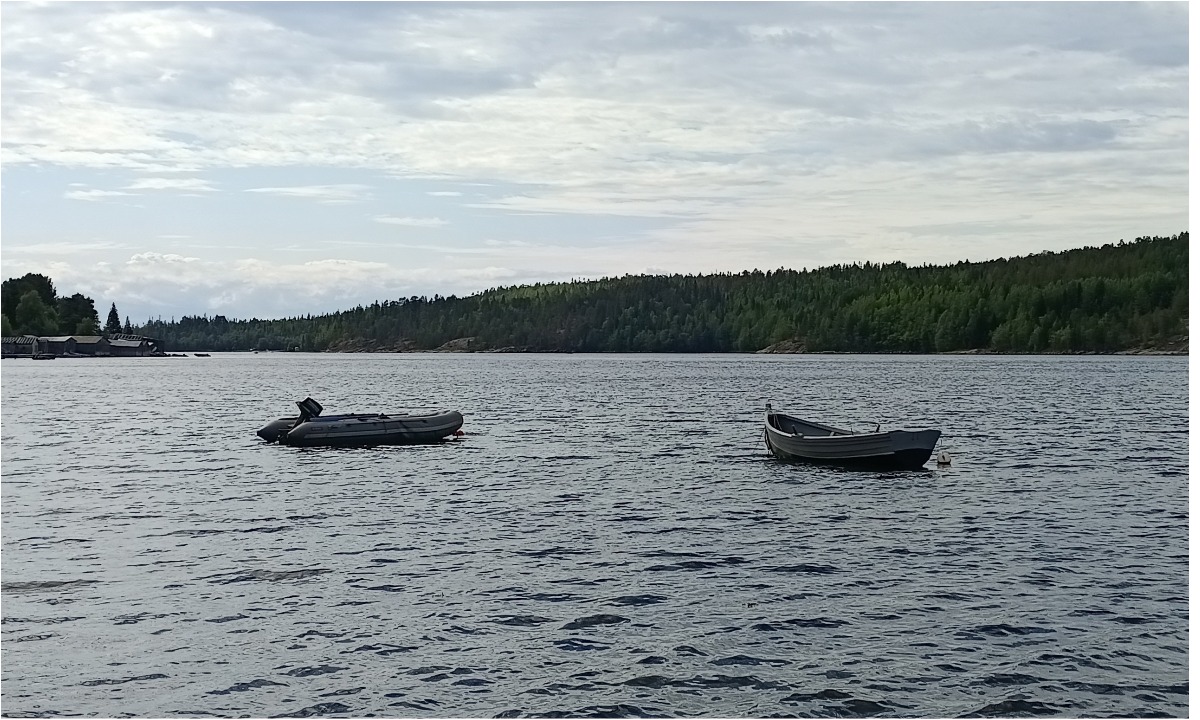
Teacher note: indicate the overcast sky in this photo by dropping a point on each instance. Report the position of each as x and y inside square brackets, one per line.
[272, 159]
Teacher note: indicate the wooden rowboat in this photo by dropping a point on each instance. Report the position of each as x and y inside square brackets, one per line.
[790, 438]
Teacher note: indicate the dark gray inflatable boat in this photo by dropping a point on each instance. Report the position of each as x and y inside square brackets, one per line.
[309, 429]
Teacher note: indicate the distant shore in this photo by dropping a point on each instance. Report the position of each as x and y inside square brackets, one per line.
[786, 347]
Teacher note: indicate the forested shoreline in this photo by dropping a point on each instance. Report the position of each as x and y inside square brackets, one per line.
[1126, 296]
[1122, 297]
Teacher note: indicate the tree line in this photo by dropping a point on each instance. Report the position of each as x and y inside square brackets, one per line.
[30, 305]
[1123, 296]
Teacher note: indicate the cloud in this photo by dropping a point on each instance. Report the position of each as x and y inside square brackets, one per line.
[158, 183]
[187, 186]
[149, 282]
[64, 248]
[410, 221]
[1014, 136]
[639, 88]
[94, 195]
[324, 194]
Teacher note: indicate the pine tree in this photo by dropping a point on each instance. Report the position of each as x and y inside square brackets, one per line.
[113, 325]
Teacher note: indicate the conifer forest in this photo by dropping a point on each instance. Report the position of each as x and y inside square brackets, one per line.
[1119, 297]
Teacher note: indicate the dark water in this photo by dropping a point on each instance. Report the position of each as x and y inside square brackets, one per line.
[609, 538]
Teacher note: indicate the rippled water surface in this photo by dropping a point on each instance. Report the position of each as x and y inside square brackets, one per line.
[610, 537]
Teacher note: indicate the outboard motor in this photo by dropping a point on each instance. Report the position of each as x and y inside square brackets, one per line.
[309, 409]
[275, 430]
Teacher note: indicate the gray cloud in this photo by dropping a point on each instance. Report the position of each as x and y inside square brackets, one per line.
[1011, 136]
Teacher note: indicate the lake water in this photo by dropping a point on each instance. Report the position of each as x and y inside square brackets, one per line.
[610, 537]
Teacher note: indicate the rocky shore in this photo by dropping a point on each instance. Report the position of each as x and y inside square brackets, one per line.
[785, 347]
[458, 345]
[1177, 347]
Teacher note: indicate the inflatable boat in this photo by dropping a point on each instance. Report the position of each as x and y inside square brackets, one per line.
[310, 429]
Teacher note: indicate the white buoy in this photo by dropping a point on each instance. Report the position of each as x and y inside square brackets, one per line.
[943, 458]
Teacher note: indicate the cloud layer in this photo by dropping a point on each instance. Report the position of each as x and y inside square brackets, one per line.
[281, 158]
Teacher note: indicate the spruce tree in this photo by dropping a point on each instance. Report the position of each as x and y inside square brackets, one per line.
[113, 325]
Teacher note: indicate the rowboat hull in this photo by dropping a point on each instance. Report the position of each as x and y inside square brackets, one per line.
[792, 439]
